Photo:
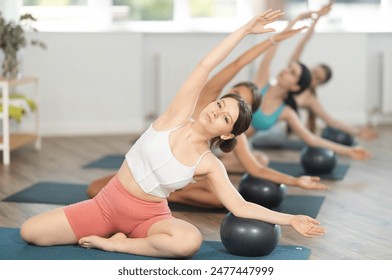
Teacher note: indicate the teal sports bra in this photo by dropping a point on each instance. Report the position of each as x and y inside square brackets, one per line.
[261, 121]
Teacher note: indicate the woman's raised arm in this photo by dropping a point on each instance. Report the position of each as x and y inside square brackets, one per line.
[185, 100]
[315, 15]
[262, 74]
[215, 85]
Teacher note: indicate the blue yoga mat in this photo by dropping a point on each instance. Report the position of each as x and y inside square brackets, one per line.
[106, 162]
[295, 145]
[51, 193]
[12, 247]
[68, 193]
[296, 170]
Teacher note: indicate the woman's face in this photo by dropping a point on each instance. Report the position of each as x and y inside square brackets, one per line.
[244, 92]
[219, 116]
[318, 76]
[289, 76]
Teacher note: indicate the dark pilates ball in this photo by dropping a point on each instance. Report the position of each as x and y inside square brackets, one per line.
[337, 136]
[248, 237]
[317, 160]
[261, 191]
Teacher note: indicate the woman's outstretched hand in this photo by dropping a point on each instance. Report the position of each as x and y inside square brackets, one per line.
[307, 226]
[359, 153]
[257, 24]
[310, 183]
[367, 133]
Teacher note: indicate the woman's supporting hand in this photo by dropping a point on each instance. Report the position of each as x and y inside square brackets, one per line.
[310, 183]
[307, 226]
[367, 133]
[359, 153]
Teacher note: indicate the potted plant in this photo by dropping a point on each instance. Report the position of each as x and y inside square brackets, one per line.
[13, 40]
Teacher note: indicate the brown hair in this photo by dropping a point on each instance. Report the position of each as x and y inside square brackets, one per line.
[311, 121]
[256, 96]
[240, 126]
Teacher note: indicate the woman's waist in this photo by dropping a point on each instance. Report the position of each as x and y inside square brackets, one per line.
[131, 186]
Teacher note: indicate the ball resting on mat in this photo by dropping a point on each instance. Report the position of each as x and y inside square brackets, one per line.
[248, 237]
[316, 160]
[261, 191]
[337, 136]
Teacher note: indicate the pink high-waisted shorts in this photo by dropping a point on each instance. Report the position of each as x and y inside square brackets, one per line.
[115, 210]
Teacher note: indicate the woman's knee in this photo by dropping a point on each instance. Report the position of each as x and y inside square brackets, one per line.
[188, 242]
[29, 233]
[182, 239]
[48, 228]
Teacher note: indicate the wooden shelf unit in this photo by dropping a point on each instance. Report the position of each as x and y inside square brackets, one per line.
[8, 141]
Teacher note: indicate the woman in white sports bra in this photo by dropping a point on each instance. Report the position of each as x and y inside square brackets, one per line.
[130, 215]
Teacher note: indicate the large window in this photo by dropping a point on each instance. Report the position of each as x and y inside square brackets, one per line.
[352, 15]
[145, 9]
[171, 10]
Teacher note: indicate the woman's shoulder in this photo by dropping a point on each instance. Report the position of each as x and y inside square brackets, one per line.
[287, 113]
[305, 98]
[209, 163]
[164, 123]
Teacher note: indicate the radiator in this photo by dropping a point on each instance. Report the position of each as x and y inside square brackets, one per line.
[172, 69]
[386, 82]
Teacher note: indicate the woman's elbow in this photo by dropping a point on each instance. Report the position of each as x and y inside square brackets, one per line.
[238, 210]
[311, 140]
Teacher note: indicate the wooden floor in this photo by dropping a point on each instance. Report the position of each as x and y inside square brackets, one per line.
[357, 211]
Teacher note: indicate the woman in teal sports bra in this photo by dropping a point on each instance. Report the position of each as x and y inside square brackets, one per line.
[262, 121]
[279, 105]
[308, 100]
[143, 224]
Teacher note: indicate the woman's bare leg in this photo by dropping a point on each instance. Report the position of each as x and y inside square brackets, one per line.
[196, 194]
[232, 164]
[171, 238]
[96, 186]
[49, 228]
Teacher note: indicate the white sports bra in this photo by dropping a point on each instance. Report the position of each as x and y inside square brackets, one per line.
[154, 166]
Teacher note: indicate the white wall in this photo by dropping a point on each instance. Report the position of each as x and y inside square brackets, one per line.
[378, 43]
[98, 83]
[89, 82]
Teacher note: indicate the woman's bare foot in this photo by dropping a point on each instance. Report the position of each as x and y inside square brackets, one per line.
[106, 244]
